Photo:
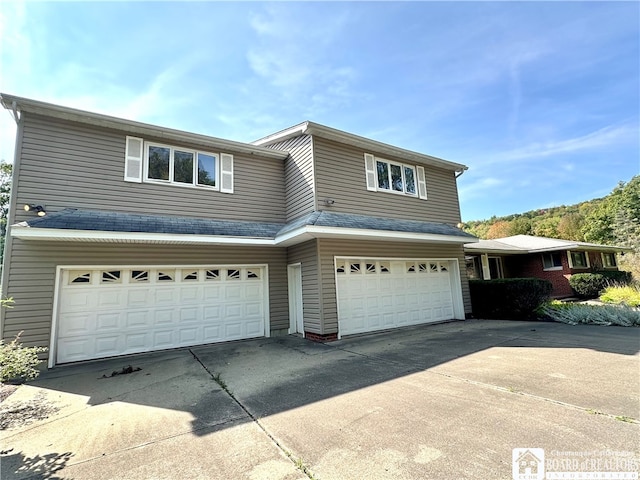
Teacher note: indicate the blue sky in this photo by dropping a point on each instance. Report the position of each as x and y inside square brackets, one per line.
[541, 99]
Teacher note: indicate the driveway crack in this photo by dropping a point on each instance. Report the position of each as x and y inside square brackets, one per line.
[297, 462]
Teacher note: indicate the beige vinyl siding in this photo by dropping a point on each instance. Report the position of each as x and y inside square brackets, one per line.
[68, 165]
[31, 278]
[298, 172]
[329, 248]
[340, 175]
[307, 255]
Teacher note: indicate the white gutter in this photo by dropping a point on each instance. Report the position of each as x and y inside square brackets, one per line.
[19, 104]
[294, 237]
[310, 128]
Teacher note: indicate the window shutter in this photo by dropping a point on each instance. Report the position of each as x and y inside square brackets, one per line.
[226, 173]
[133, 160]
[370, 168]
[422, 183]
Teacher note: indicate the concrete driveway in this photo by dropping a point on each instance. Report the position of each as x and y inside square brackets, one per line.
[442, 401]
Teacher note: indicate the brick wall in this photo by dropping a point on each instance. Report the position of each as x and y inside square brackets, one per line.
[531, 266]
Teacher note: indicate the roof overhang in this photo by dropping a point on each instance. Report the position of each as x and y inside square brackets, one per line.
[309, 232]
[311, 128]
[296, 236]
[20, 104]
[574, 247]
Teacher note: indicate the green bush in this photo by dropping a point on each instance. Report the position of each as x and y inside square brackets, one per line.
[575, 313]
[591, 285]
[622, 295]
[18, 361]
[508, 298]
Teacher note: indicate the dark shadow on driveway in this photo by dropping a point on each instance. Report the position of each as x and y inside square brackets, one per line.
[272, 375]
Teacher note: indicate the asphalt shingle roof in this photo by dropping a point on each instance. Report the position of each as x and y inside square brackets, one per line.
[96, 220]
[366, 222]
[133, 222]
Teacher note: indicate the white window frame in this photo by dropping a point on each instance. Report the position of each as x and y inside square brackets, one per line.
[604, 255]
[548, 269]
[586, 257]
[171, 181]
[371, 171]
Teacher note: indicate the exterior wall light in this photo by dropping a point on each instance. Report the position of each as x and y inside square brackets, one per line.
[39, 209]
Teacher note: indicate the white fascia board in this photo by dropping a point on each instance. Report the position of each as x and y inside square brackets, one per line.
[300, 235]
[311, 128]
[137, 128]
[480, 251]
[282, 135]
[309, 232]
[58, 234]
[383, 148]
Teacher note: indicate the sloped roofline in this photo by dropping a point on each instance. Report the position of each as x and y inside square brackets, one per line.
[311, 128]
[505, 246]
[20, 104]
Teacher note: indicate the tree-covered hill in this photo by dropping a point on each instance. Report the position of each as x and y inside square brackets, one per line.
[612, 220]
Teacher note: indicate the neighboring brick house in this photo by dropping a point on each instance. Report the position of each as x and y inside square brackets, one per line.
[137, 237]
[547, 258]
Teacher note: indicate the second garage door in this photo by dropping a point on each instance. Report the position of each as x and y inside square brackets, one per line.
[104, 312]
[374, 294]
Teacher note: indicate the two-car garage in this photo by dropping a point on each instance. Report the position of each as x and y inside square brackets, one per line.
[109, 311]
[379, 294]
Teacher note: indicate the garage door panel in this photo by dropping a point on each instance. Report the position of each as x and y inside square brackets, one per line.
[138, 297]
[395, 293]
[189, 315]
[163, 339]
[78, 301]
[106, 322]
[77, 324]
[106, 345]
[119, 311]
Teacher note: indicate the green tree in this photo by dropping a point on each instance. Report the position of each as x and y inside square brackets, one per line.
[570, 227]
[547, 227]
[6, 170]
[521, 226]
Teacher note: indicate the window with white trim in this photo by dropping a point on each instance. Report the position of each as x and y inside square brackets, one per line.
[609, 260]
[578, 260]
[552, 261]
[157, 163]
[394, 177]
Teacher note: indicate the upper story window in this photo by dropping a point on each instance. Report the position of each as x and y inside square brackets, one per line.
[578, 260]
[552, 261]
[609, 260]
[393, 177]
[157, 163]
[174, 165]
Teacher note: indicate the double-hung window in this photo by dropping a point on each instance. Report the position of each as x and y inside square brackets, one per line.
[552, 261]
[578, 260]
[609, 260]
[394, 177]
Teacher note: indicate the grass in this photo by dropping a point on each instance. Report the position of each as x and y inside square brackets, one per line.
[622, 295]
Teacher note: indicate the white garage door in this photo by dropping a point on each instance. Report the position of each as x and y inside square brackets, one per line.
[381, 294]
[116, 311]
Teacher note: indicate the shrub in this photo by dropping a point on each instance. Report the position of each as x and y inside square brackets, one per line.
[591, 285]
[575, 313]
[17, 361]
[625, 295]
[508, 298]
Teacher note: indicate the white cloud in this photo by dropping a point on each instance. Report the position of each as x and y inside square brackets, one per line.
[600, 138]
